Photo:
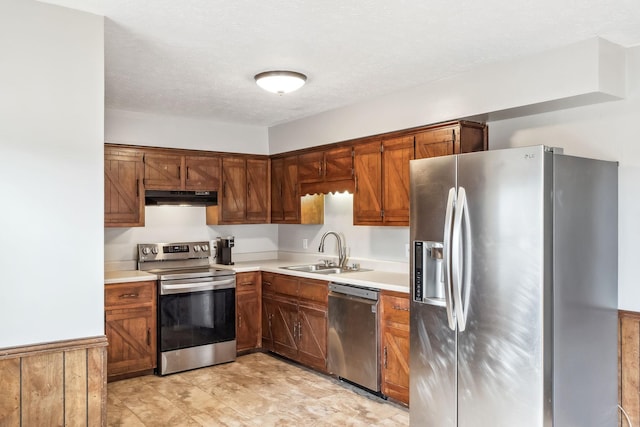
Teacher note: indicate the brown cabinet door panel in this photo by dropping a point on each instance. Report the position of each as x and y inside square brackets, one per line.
[312, 336]
[367, 200]
[123, 189]
[290, 198]
[284, 328]
[277, 190]
[234, 187]
[247, 321]
[338, 164]
[131, 335]
[394, 343]
[268, 312]
[310, 167]
[202, 173]
[395, 160]
[436, 142]
[163, 172]
[257, 190]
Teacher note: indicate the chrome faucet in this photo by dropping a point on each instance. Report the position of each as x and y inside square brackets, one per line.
[342, 251]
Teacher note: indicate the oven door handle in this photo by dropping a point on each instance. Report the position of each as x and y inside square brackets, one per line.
[180, 287]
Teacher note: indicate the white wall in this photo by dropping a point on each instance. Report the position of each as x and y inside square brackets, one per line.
[51, 179]
[127, 127]
[185, 224]
[585, 72]
[606, 131]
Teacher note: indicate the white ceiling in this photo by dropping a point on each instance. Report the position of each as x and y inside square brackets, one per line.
[198, 57]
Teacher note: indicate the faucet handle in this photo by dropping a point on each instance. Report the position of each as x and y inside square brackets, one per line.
[326, 262]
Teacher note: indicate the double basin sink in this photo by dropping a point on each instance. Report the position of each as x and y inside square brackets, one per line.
[323, 269]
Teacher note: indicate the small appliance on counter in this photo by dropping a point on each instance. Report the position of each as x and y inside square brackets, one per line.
[223, 250]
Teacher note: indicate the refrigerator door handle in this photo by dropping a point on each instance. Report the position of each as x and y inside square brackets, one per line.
[446, 258]
[461, 248]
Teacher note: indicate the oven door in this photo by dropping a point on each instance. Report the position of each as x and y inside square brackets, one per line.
[196, 312]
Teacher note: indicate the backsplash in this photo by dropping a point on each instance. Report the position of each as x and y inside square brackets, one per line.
[175, 224]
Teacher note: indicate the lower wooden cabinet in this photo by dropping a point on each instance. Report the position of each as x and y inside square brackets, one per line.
[248, 325]
[130, 327]
[294, 318]
[394, 345]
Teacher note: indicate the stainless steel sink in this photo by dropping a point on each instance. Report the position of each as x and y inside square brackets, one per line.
[322, 269]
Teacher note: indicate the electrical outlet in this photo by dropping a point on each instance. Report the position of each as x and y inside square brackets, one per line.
[305, 243]
[407, 252]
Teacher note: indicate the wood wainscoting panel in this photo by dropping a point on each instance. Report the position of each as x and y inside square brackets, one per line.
[54, 384]
[43, 390]
[629, 366]
[10, 394]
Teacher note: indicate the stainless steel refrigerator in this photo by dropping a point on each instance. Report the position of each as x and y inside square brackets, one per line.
[513, 290]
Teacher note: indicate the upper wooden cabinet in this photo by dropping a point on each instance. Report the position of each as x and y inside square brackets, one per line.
[451, 138]
[123, 188]
[326, 171]
[381, 194]
[285, 202]
[176, 172]
[245, 192]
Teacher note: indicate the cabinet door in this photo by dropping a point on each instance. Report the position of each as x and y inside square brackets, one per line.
[338, 164]
[436, 142]
[123, 189]
[248, 310]
[284, 327]
[394, 344]
[290, 198]
[202, 173]
[163, 172]
[310, 167]
[396, 155]
[277, 190]
[131, 334]
[234, 188]
[257, 190]
[367, 199]
[268, 312]
[247, 321]
[312, 336]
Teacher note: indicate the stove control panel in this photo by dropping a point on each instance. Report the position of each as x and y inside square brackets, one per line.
[172, 251]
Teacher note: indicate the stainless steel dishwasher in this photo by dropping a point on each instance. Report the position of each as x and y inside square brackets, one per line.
[353, 352]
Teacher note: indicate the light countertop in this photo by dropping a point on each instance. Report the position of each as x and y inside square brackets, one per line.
[124, 276]
[385, 280]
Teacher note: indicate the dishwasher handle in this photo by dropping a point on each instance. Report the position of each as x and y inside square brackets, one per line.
[338, 289]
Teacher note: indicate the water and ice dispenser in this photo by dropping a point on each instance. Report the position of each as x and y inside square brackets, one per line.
[428, 271]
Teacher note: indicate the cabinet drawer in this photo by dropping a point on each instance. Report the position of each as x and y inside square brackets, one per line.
[267, 283]
[395, 309]
[285, 285]
[129, 294]
[247, 282]
[313, 290]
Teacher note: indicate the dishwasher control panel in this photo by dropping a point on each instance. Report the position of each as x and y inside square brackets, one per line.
[355, 291]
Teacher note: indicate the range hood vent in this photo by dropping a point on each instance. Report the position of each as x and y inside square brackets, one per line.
[180, 198]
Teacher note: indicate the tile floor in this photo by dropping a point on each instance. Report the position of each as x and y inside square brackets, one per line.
[255, 390]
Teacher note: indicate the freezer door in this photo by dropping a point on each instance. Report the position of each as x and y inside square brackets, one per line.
[432, 342]
[501, 352]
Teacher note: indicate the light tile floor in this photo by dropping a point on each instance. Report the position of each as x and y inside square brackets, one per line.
[255, 390]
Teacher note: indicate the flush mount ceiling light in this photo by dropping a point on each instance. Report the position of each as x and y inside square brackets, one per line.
[280, 81]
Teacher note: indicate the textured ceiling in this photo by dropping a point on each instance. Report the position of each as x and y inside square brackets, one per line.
[198, 57]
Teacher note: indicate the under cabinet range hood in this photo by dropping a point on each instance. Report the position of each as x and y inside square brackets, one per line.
[180, 198]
